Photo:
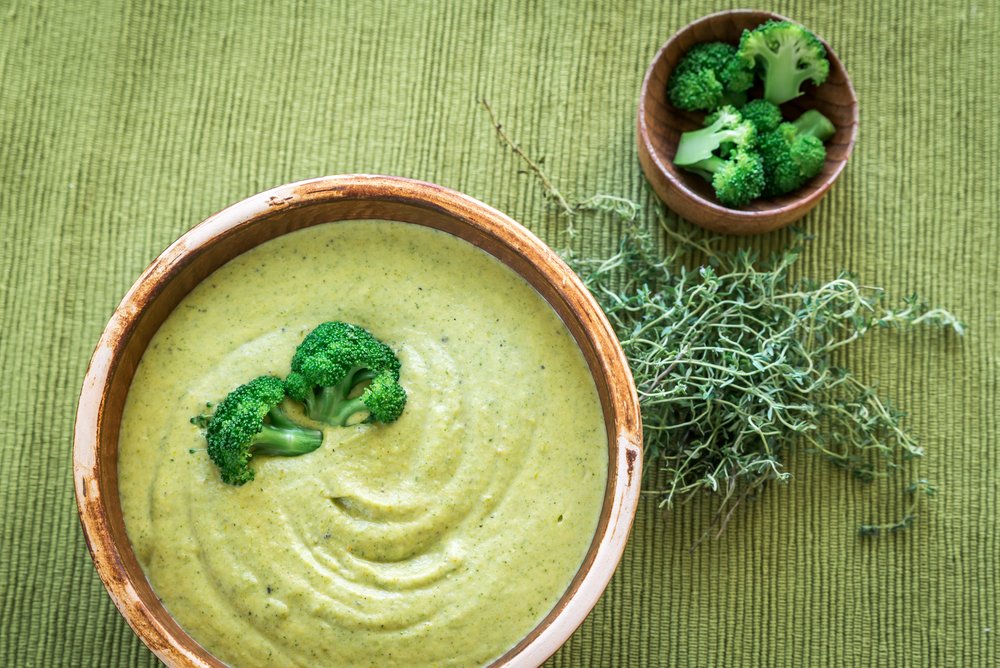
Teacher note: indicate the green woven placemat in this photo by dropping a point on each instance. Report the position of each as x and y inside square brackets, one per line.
[122, 124]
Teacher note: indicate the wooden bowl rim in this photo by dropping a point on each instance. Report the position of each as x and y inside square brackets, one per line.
[760, 217]
[625, 466]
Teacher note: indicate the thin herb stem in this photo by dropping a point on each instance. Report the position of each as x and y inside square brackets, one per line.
[550, 190]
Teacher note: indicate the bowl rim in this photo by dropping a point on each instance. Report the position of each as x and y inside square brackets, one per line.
[654, 160]
[625, 429]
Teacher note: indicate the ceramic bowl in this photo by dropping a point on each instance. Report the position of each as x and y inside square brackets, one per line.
[292, 207]
[659, 126]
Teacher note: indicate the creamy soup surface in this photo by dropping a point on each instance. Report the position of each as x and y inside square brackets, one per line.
[439, 540]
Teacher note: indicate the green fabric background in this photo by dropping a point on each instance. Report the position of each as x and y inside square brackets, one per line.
[122, 124]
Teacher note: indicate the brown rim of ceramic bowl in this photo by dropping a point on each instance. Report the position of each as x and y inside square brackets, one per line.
[295, 206]
[659, 124]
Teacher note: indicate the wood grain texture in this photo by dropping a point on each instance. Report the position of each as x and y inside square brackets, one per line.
[659, 126]
[261, 218]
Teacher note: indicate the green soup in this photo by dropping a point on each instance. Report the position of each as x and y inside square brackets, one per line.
[441, 539]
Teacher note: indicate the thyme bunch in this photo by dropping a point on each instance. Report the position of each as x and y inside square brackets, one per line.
[735, 361]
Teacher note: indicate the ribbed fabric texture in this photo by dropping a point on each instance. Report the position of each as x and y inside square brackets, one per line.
[122, 124]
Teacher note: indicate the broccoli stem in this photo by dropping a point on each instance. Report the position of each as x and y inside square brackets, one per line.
[282, 437]
[698, 144]
[324, 402]
[284, 442]
[360, 375]
[783, 78]
[814, 124]
[279, 419]
[332, 405]
[707, 167]
[348, 408]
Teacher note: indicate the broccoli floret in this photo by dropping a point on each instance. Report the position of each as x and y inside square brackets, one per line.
[793, 153]
[709, 75]
[736, 180]
[335, 359]
[737, 176]
[250, 421]
[764, 115]
[384, 398]
[725, 126]
[783, 173]
[788, 54]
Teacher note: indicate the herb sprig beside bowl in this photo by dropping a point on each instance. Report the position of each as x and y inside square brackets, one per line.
[736, 362]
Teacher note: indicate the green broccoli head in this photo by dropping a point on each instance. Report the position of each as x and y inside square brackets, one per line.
[793, 153]
[788, 55]
[709, 75]
[332, 362]
[250, 421]
[740, 179]
[764, 115]
[737, 180]
[384, 398]
[726, 126]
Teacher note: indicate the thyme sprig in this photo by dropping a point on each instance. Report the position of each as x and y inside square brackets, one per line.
[735, 361]
[622, 207]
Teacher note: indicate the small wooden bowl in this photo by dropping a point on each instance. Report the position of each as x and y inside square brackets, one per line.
[291, 207]
[660, 124]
